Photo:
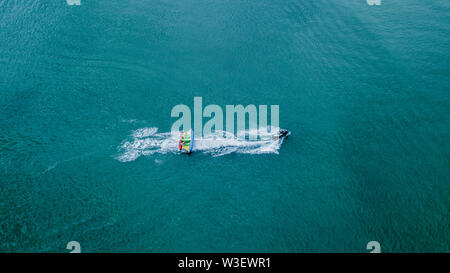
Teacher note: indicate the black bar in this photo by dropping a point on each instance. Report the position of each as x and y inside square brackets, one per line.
[272, 262]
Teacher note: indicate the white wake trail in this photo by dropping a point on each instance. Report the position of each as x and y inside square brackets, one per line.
[147, 141]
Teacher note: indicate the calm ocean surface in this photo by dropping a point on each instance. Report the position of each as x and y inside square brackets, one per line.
[86, 93]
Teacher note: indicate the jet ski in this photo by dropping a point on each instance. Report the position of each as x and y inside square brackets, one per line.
[281, 134]
[186, 142]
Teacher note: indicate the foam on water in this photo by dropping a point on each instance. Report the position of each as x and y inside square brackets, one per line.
[147, 141]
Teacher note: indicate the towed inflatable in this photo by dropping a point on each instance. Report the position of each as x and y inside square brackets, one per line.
[186, 141]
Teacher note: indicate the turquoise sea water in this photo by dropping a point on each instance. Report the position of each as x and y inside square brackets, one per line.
[363, 89]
